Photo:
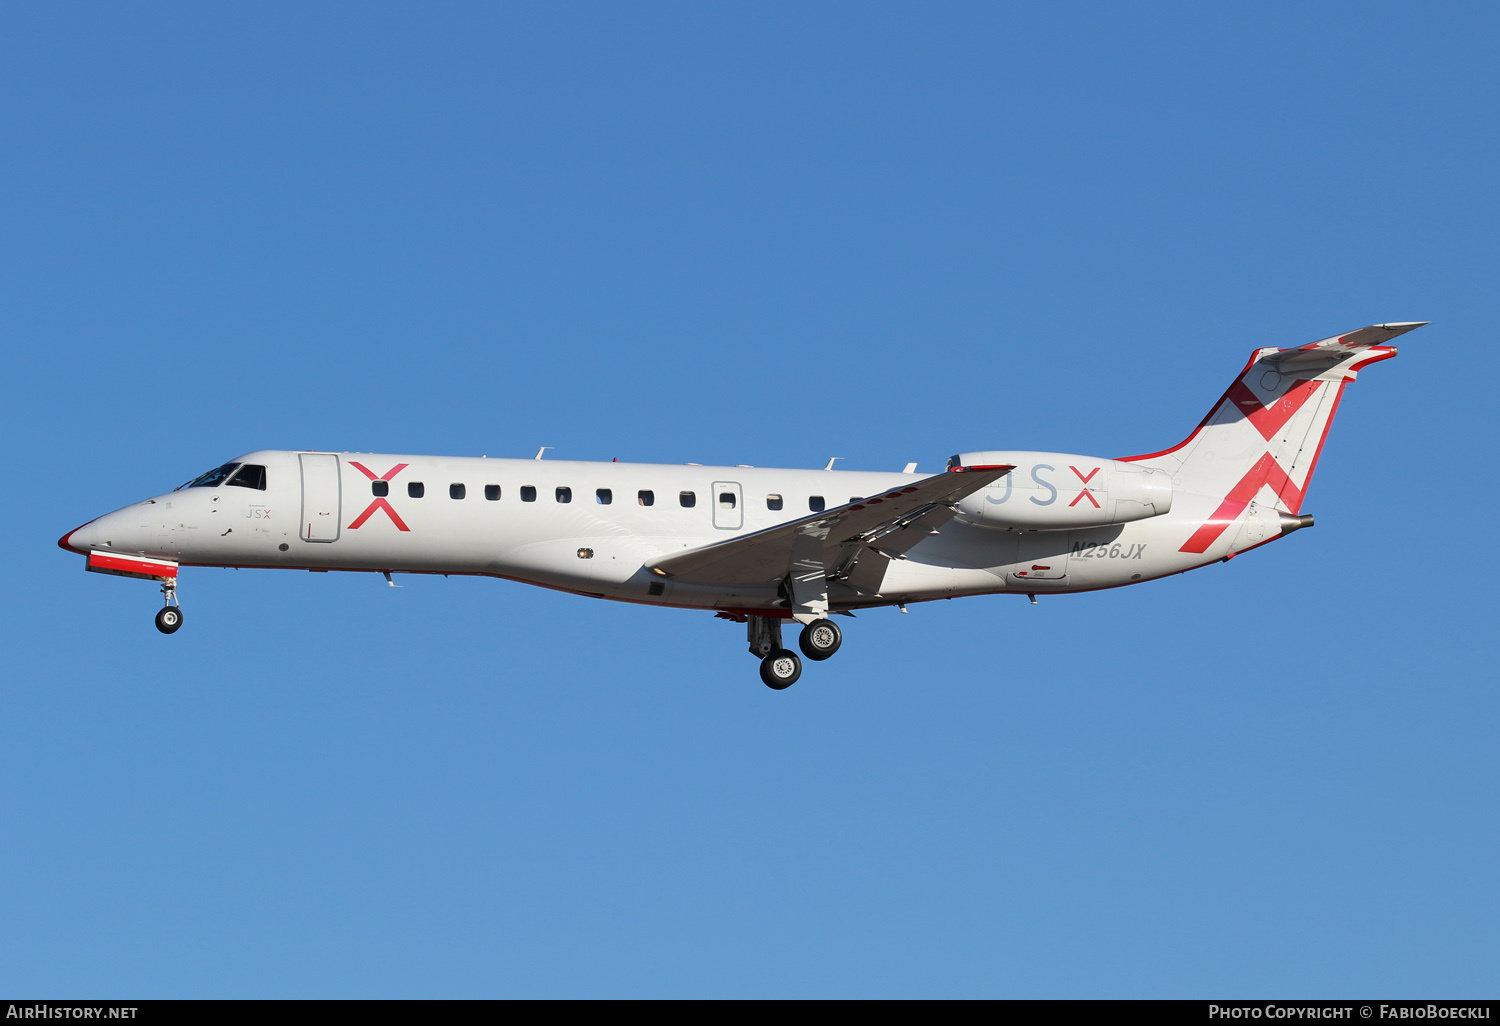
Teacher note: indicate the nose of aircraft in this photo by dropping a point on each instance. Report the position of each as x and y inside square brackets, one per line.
[80, 539]
[121, 531]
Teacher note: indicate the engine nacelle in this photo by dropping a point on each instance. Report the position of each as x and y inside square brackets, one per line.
[1058, 491]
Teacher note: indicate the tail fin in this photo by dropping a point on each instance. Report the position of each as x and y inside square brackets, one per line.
[1262, 439]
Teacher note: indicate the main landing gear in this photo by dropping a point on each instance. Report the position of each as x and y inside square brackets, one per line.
[169, 617]
[820, 639]
[779, 666]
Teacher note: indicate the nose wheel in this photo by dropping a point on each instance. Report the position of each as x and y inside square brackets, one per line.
[169, 617]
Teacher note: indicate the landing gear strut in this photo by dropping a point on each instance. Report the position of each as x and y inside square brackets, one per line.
[779, 667]
[169, 617]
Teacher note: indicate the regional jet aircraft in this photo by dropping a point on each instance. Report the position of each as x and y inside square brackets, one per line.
[763, 546]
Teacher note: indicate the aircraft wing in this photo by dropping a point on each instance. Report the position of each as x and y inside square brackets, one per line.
[852, 543]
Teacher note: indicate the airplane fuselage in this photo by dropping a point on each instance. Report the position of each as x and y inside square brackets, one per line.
[595, 528]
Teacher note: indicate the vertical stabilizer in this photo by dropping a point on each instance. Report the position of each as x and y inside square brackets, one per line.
[1261, 440]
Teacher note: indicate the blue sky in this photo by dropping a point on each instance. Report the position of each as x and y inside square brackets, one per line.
[764, 234]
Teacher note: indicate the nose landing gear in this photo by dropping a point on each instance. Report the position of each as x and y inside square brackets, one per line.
[169, 617]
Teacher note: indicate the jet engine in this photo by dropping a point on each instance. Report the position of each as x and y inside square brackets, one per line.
[1058, 491]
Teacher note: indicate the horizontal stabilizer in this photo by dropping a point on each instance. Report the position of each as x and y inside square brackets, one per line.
[1317, 357]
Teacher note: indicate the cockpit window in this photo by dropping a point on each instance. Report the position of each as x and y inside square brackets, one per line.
[213, 478]
[251, 475]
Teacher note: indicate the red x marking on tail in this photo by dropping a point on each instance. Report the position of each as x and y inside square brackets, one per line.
[1270, 419]
[1265, 472]
[380, 502]
[1085, 493]
[1267, 420]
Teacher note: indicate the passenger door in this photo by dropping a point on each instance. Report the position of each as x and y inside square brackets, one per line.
[321, 496]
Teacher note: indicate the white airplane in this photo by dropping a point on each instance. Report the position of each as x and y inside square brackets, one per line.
[759, 545]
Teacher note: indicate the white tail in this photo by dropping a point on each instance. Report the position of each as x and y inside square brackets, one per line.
[1261, 440]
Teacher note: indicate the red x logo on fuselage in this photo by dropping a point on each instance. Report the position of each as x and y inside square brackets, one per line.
[1085, 493]
[379, 502]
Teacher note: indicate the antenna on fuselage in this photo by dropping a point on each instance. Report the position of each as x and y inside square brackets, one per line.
[831, 462]
[540, 451]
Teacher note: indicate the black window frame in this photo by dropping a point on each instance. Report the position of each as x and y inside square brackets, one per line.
[256, 474]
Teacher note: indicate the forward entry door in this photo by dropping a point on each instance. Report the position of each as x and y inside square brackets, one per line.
[320, 496]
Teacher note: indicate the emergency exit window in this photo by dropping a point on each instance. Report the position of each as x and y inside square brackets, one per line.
[726, 500]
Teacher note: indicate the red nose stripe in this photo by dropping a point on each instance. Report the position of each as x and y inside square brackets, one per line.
[62, 542]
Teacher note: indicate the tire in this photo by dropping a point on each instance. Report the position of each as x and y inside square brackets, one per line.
[820, 639]
[168, 619]
[780, 669]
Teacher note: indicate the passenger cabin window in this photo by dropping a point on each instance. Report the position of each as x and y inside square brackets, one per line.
[213, 478]
[815, 503]
[773, 502]
[603, 496]
[380, 488]
[456, 491]
[528, 493]
[855, 498]
[688, 499]
[564, 494]
[492, 492]
[646, 497]
[251, 475]
[416, 489]
[726, 500]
